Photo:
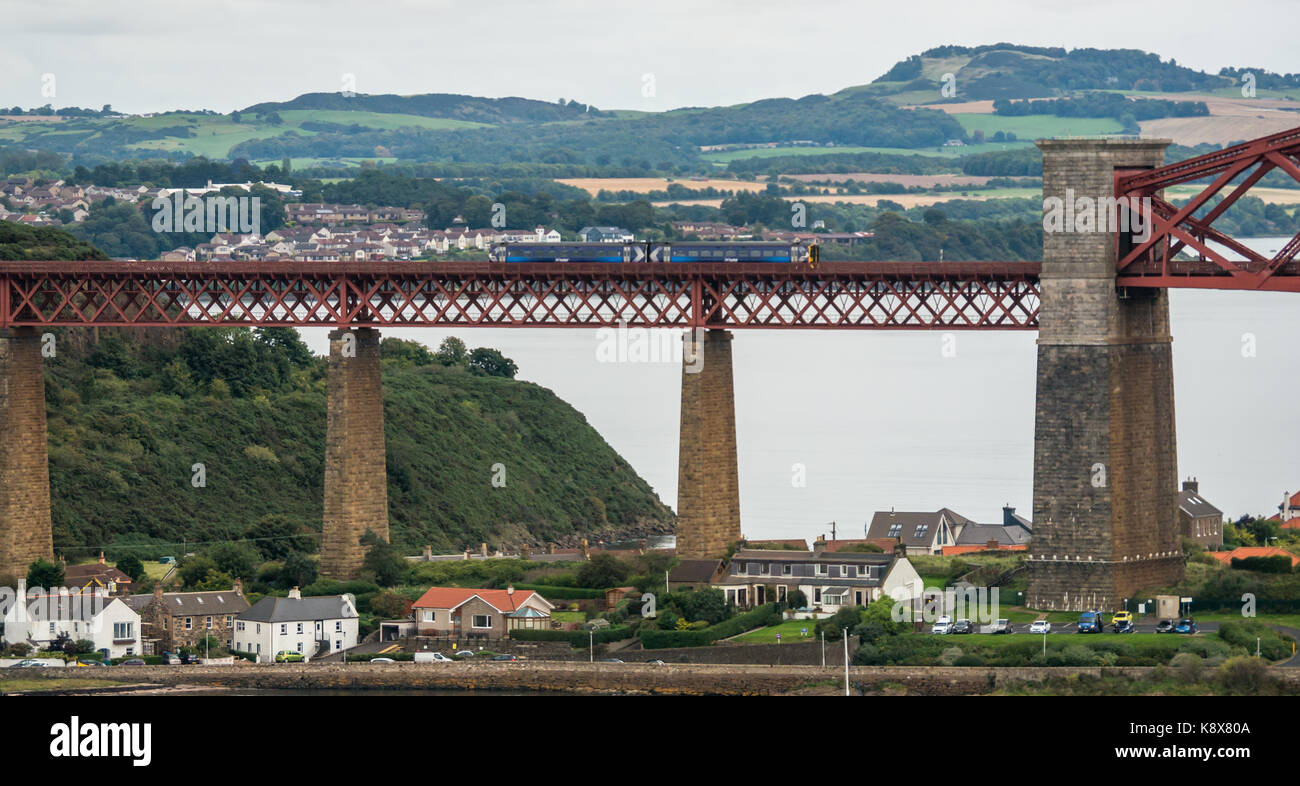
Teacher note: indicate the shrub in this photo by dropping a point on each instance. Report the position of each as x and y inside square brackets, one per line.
[1243, 676]
[969, 659]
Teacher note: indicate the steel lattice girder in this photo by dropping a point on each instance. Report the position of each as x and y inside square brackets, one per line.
[1154, 263]
[833, 295]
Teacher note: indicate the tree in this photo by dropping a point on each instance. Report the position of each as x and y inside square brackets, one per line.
[131, 566]
[389, 605]
[452, 352]
[237, 559]
[602, 571]
[45, 574]
[709, 605]
[848, 617]
[276, 536]
[298, 570]
[795, 599]
[194, 570]
[492, 363]
[382, 560]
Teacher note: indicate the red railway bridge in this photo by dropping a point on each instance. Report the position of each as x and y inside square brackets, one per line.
[1098, 300]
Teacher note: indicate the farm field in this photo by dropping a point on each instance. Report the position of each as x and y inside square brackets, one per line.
[924, 181]
[1030, 127]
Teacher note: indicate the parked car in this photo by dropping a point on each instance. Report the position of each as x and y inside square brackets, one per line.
[942, 626]
[86, 664]
[1091, 622]
[431, 657]
[504, 657]
[171, 659]
[28, 664]
[133, 662]
[655, 662]
[1040, 626]
[1121, 616]
[1185, 625]
[1165, 626]
[1000, 626]
[382, 660]
[463, 654]
[962, 626]
[1125, 626]
[611, 660]
[285, 656]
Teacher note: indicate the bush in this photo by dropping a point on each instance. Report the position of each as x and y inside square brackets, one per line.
[1278, 564]
[1245, 633]
[1243, 676]
[577, 639]
[759, 617]
[950, 655]
[968, 659]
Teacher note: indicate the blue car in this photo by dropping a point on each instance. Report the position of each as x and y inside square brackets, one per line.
[1185, 626]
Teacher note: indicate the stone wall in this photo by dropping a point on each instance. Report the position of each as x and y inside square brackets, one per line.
[1105, 474]
[25, 526]
[670, 678]
[708, 483]
[356, 479]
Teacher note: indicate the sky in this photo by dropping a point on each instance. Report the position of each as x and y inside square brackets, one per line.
[154, 55]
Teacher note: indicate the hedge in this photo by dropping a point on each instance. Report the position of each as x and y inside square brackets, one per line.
[576, 638]
[760, 617]
[566, 593]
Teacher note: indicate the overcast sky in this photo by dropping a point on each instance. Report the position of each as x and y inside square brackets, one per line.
[151, 55]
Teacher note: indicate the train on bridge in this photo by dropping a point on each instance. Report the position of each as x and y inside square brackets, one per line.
[666, 251]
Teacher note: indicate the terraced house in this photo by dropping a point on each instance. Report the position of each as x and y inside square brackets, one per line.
[826, 579]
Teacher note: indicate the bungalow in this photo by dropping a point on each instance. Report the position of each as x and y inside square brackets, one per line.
[1245, 552]
[323, 624]
[456, 612]
[826, 579]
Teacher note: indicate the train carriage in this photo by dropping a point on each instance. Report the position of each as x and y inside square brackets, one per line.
[676, 251]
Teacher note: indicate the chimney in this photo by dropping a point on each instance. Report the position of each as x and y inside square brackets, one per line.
[101, 558]
[510, 589]
[295, 594]
[1191, 485]
[1008, 516]
[991, 545]
[239, 587]
[158, 590]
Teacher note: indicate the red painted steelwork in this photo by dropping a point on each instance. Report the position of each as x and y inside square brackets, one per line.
[1155, 261]
[829, 295]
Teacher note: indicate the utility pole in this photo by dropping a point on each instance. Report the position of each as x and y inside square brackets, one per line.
[823, 649]
[591, 646]
[846, 661]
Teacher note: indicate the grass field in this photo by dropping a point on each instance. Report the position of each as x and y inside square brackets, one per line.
[790, 630]
[723, 157]
[1032, 127]
[30, 684]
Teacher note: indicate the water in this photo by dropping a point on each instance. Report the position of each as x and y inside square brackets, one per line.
[883, 419]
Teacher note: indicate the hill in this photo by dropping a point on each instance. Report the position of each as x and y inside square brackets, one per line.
[132, 413]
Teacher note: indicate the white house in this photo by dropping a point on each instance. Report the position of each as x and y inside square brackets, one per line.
[827, 580]
[42, 619]
[310, 626]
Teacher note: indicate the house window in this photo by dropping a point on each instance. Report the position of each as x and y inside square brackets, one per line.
[786, 570]
[821, 570]
[482, 620]
[164, 621]
[300, 627]
[921, 529]
[123, 630]
[284, 629]
[844, 570]
[300, 646]
[208, 623]
[780, 592]
[227, 620]
[338, 626]
[895, 530]
[817, 596]
[767, 568]
[189, 623]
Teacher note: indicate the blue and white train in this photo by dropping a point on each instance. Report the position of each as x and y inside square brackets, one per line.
[668, 251]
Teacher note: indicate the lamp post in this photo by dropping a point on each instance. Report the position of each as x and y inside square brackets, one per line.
[591, 646]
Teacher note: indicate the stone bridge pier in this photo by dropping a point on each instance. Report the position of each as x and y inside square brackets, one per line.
[1105, 475]
[708, 481]
[356, 475]
[25, 526]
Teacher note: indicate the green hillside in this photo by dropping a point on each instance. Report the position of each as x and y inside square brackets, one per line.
[132, 413]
